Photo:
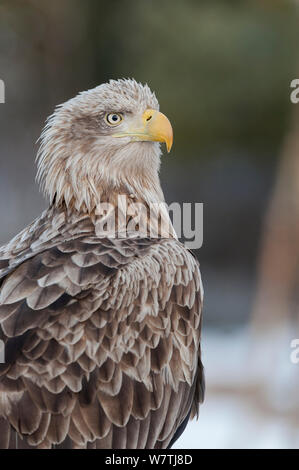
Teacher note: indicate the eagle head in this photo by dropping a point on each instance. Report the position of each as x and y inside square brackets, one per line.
[103, 140]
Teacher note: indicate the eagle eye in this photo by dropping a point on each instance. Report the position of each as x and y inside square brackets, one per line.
[113, 119]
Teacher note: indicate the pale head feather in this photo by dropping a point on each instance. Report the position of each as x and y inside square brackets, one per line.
[78, 161]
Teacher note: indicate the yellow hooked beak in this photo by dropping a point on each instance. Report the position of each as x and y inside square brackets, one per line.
[154, 126]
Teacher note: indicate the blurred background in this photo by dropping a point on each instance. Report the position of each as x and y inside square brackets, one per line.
[222, 72]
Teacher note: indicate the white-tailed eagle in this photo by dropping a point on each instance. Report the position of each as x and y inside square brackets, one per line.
[101, 331]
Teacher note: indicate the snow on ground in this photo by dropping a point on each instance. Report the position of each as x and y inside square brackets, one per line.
[230, 417]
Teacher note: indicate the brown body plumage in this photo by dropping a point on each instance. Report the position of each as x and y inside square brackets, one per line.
[102, 334]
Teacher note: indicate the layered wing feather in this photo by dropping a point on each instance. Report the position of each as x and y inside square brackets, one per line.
[102, 337]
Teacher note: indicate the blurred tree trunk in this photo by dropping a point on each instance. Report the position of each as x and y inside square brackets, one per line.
[275, 319]
[278, 273]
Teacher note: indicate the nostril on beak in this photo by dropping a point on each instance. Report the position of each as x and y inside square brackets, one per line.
[149, 118]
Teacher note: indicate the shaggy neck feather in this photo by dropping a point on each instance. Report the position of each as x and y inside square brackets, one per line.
[81, 181]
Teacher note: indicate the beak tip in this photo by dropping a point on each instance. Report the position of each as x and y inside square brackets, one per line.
[169, 143]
